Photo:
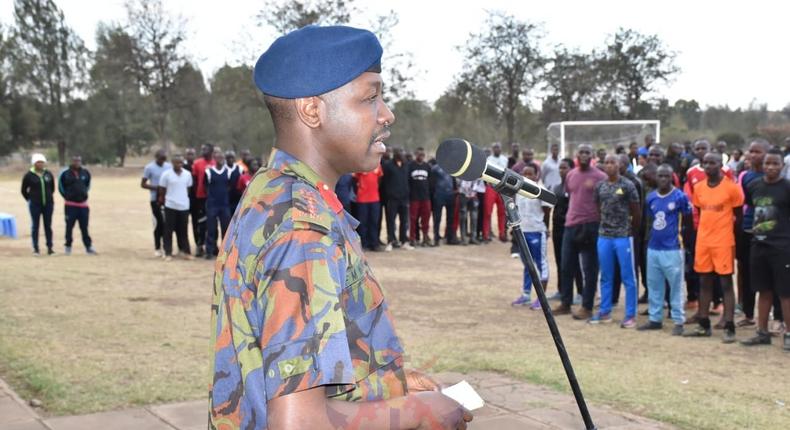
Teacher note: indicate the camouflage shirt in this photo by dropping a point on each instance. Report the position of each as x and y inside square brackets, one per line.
[296, 305]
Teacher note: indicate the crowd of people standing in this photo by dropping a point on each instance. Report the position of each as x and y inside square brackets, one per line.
[677, 223]
[691, 215]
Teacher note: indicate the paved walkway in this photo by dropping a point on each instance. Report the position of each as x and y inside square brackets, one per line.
[510, 405]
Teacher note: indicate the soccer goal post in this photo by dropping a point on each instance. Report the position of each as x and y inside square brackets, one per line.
[600, 134]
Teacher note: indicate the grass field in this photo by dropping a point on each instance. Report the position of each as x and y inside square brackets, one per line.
[94, 333]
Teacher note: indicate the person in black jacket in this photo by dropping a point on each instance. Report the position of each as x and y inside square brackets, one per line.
[74, 184]
[38, 185]
[395, 183]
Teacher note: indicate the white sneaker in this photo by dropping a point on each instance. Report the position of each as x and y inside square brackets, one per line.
[388, 248]
[68, 250]
[168, 258]
[514, 255]
[158, 254]
[407, 246]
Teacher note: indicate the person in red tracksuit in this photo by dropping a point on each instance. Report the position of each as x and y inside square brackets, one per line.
[493, 198]
[419, 197]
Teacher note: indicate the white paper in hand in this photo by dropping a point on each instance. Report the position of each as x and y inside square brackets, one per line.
[464, 394]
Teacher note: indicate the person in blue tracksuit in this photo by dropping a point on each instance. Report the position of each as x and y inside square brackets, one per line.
[617, 200]
[73, 184]
[218, 186]
[667, 209]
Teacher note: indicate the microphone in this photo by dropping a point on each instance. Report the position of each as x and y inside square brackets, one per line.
[466, 161]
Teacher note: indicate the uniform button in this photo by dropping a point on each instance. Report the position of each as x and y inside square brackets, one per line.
[271, 373]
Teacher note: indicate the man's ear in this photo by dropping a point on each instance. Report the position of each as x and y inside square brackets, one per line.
[309, 110]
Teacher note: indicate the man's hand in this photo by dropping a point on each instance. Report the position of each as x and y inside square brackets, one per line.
[417, 381]
[445, 413]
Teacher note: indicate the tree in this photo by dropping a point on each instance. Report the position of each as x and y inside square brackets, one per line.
[6, 138]
[503, 64]
[119, 113]
[286, 16]
[49, 63]
[572, 82]
[240, 119]
[690, 111]
[635, 64]
[190, 115]
[412, 128]
[158, 40]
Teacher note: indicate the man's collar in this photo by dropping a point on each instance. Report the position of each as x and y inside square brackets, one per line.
[287, 164]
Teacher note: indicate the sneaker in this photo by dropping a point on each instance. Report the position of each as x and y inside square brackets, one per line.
[514, 255]
[677, 330]
[388, 248]
[628, 323]
[91, 251]
[729, 336]
[167, 258]
[408, 246]
[746, 322]
[187, 257]
[158, 254]
[717, 310]
[50, 251]
[556, 296]
[36, 253]
[650, 325]
[776, 328]
[535, 305]
[694, 319]
[425, 242]
[786, 344]
[600, 319]
[199, 253]
[67, 250]
[760, 338]
[413, 244]
[521, 301]
[697, 331]
[577, 300]
[561, 310]
[582, 314]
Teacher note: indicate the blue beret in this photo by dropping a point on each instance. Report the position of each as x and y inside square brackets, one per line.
[315, 60]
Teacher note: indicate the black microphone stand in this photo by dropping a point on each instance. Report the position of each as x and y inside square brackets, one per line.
[508, 186]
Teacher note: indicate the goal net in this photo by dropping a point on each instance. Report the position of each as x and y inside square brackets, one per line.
[601, 134]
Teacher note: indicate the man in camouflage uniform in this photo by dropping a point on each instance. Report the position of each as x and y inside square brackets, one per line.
[302, 337]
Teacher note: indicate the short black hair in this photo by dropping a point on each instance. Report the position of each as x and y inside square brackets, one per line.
[776, 151]
[570, 162]
[280, 109]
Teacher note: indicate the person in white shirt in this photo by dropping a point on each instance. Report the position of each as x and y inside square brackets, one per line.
[493, 198]
[534, 225]
[173, 192]
[550, 170]
[467, 213]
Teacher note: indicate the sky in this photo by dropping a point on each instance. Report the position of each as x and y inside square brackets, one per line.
[728, 54]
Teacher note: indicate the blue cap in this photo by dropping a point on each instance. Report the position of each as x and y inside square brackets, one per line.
[315, 60]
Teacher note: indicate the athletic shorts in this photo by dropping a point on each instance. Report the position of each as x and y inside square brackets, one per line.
[770, 270]
[718, 259]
